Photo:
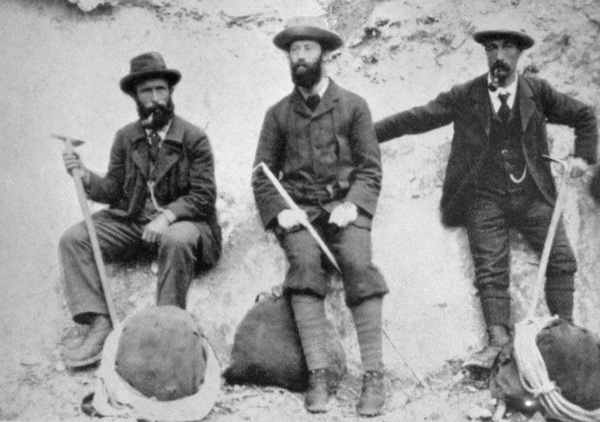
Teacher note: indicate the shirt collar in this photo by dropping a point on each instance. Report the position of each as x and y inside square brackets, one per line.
[162, 132]
[510, 89]
[319, 89]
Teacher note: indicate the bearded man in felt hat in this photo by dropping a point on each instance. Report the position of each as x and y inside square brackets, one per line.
[160, 187]
[497, 178]
[321, 143]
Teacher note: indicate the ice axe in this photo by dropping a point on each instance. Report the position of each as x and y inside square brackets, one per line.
[556, 214]
[309, 227]
[290, 202]
[70, 145]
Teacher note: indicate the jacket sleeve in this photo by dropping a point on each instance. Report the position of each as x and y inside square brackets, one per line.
[435, 114]
[367, 175]
[270, 151]
[565, 110]
[199, 202]
[109, 189]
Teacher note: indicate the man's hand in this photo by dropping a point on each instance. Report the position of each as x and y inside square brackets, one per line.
[343, 214]
[72, 162]
[578, 167]
[154, 229]
[291, 218]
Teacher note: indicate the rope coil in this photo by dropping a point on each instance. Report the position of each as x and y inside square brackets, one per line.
[534, 374]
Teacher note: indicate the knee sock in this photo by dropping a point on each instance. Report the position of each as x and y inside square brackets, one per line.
[309, 313]
[367, 318]
[560, 302]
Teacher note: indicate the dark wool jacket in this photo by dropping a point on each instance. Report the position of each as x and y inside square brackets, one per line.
[334, 145]
[468, 107]
[184, 175]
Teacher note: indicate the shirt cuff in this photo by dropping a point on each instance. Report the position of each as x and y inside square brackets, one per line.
[170, 215]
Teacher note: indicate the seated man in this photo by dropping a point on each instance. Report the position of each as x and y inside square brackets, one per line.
[320, 140]
[160, 186]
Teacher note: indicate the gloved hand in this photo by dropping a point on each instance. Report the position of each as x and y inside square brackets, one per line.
[289, 218]
[72, 161]
[343, 214]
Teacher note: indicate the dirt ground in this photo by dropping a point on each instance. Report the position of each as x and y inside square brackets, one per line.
[61, 69]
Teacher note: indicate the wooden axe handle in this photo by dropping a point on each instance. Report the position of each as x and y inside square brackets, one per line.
[87, 217]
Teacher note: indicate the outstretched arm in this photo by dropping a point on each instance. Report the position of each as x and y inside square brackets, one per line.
[435, 114]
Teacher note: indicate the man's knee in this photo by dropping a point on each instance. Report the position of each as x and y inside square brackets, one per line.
[72, 237]
[177, 240]
[302, 254]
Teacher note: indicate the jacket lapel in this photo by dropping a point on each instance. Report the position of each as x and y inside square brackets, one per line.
[170, 151]
[299, 105]
[327, 102]
[526, 102]
[481, 101]
[140, 150]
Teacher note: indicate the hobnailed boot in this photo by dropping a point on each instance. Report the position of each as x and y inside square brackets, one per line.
[372, 397]
[498, 337]
[317, 395]
[90, 350]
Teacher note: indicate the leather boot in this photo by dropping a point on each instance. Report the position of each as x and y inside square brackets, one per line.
[90, 350]
[372, 397]
[498, 337]
[317, 395]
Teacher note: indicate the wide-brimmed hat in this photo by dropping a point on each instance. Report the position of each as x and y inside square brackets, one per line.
[157, 365]
[520, 38]
[312, 28]
[148, 66]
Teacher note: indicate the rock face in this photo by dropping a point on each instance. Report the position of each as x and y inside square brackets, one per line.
[61, 70]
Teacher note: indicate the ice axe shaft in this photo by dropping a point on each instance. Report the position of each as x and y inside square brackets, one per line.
[70, 144]
[290, 202]
[556, 214]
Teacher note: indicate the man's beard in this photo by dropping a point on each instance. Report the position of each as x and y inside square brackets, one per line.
[308, 77]
[156, 116]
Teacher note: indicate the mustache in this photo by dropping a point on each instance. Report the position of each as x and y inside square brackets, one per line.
[153, 108]
[500, 66]
[297, 65]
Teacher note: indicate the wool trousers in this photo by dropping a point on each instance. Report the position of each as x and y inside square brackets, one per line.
[489, 220]
[120, 239]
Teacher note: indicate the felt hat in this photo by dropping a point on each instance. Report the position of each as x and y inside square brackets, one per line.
[157, 365]
[147, 66]
[312, 28]
[520, 38]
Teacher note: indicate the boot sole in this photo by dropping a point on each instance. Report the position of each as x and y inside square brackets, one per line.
[78, 364]
[318, 409]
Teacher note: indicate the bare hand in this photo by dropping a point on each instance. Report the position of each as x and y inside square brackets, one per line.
[289, 218]
[343, 214]
[72, 162]
[578, 167]
[154, 229]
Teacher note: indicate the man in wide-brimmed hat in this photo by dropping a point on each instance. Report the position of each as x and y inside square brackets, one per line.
[321, 142]
[497, 178]
[160, 187]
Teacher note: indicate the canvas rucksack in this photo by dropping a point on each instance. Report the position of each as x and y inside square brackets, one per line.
[267, 349]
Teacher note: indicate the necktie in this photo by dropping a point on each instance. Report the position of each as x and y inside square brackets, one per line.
[313, 101]
[154, 144]
[504, 110]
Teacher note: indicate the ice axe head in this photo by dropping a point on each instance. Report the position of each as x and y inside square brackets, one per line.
[70, 143]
